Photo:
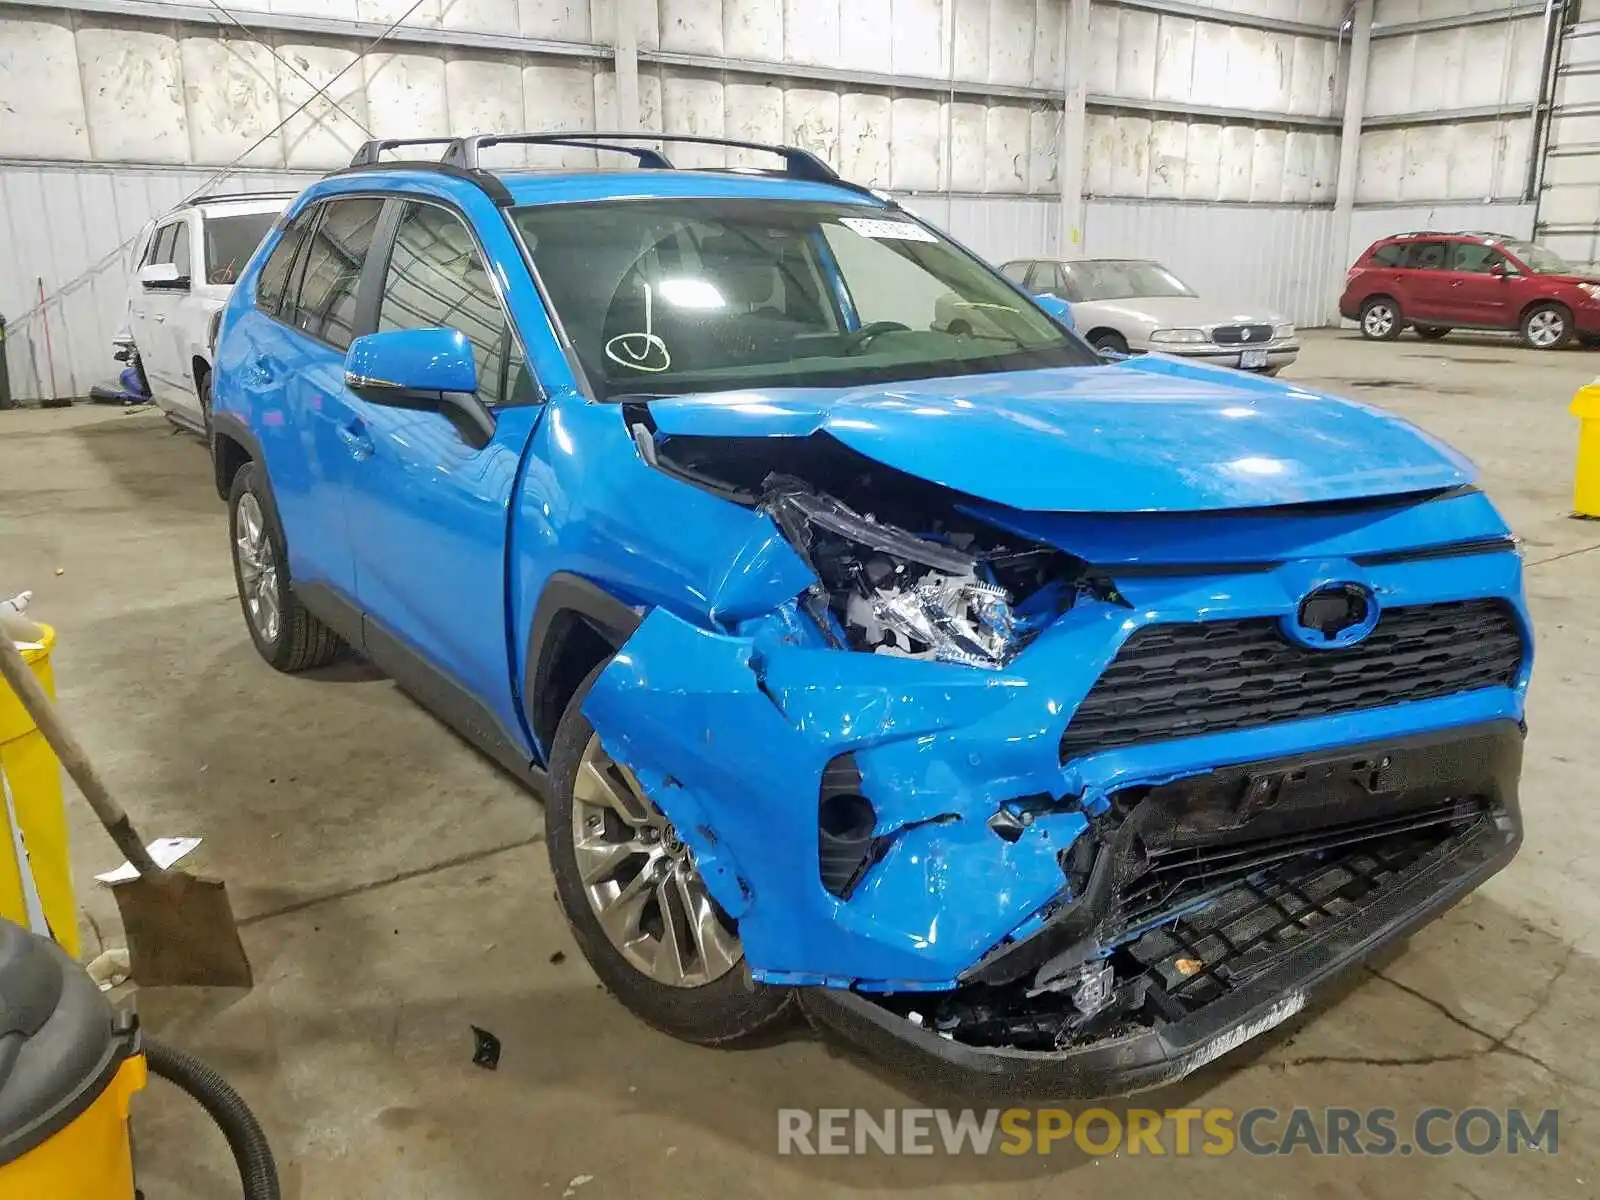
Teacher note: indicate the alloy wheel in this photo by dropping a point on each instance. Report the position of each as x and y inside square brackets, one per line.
[1379, 320]
[641, 880]
[258, 568]
[1546, 328]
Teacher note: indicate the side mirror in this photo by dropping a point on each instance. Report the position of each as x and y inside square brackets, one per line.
[159, 277]
[430, 370]
[1056, 307]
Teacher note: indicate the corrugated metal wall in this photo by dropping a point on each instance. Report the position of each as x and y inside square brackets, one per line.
[1569, 208]
[68, 230]
[1248, 254]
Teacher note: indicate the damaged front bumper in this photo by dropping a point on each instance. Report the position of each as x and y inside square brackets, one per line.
[1136, 1057]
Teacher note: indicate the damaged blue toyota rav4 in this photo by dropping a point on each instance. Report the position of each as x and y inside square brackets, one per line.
[1037, 722]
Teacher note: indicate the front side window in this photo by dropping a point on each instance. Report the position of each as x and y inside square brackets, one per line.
[1109, 279]
[231, 240]
[180, 249]
[1474, 257]
[437, 279]
[326, 307]
[1427, 256]
[672, 296]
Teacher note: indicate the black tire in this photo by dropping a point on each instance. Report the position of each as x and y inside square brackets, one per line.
[1431, 333]
[300, 641]
[730, 1009]
[1108, 341]
[1547, 326]
[1381, 320]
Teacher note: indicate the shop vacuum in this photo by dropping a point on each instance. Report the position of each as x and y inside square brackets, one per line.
[70, 1064]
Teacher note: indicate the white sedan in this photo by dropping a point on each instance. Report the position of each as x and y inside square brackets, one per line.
[1124, 305]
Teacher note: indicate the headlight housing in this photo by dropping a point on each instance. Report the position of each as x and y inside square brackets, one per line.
[948, 597]
[1186, 336]
[1282, 331]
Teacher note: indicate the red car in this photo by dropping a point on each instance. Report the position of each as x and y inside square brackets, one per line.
[1436, 282]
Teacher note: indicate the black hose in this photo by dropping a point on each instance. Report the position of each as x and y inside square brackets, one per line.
[212, 1092]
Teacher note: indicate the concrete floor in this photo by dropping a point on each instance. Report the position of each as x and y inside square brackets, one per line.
[396, 890]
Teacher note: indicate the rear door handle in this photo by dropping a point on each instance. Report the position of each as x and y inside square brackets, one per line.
[354, 435]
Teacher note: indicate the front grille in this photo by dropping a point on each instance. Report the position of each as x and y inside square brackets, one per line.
[1173, 681]
[1233, 335]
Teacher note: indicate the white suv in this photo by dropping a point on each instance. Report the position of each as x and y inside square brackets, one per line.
[184, 268]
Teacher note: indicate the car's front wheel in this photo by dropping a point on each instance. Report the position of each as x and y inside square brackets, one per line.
[636, 902]
[1108, 341]
[1380, 319]
[282, 628]
[1547, 327]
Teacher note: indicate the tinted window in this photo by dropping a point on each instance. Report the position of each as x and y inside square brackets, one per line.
[230, 241]
[437, 279]
[1390, 255]
[274, 275]
[180, 249]
[1474, 256]
[337, 251]
[1427, 256]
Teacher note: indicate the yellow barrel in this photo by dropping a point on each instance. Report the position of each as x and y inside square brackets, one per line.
[1586, 482]
[73, 1065]
[34, 777]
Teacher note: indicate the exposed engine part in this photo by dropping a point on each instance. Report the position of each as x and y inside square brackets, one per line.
[947, 597]
[1093, 988]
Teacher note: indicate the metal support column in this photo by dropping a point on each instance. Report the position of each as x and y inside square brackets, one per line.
[626, 37]
[1069, 162]
[1355, 94]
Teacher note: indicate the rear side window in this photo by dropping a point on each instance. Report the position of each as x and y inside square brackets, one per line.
[1390, 254]
[274, 278]
[437, 279]
[1017, 272]
[326, 307]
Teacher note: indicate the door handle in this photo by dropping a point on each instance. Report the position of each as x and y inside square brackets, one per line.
[354, 435]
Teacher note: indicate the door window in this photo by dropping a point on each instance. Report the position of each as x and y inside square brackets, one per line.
[1391, 255]
[1474, 257]
[1046, 277]
[273, 281]
[180, 249]
[1017, 272]
[337, 251]
[161, 244]
[437, 280]
[1427, 256]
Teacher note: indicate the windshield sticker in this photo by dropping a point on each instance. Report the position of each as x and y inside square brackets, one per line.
[898, 231]
[640, 351]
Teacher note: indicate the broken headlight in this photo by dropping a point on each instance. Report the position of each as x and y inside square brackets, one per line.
[946, 596]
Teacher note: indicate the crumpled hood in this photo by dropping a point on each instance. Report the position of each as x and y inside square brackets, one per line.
[1144, 435]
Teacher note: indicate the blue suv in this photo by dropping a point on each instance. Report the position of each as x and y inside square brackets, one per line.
[1032, 719]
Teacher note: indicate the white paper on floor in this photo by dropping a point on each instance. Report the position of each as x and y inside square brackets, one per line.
[165, 851]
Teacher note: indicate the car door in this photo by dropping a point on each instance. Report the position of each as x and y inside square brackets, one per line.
[154, 311]
[1425, 282]
[1481, 294]
[430, 512]
[315, 449]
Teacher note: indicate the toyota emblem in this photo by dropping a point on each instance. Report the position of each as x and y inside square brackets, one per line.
[1333, 616]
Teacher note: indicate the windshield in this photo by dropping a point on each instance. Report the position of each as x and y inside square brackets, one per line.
[230, 241]
[672, 296]
[1131, 280]
[1539, 260]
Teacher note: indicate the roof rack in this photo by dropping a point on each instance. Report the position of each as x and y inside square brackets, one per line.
[213, 197]
[798, 163]
[369, 152]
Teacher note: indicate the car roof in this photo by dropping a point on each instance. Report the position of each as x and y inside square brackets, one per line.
[244, 203]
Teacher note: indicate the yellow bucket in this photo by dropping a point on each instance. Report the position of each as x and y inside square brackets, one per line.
[1586, 480]
[34, 778]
